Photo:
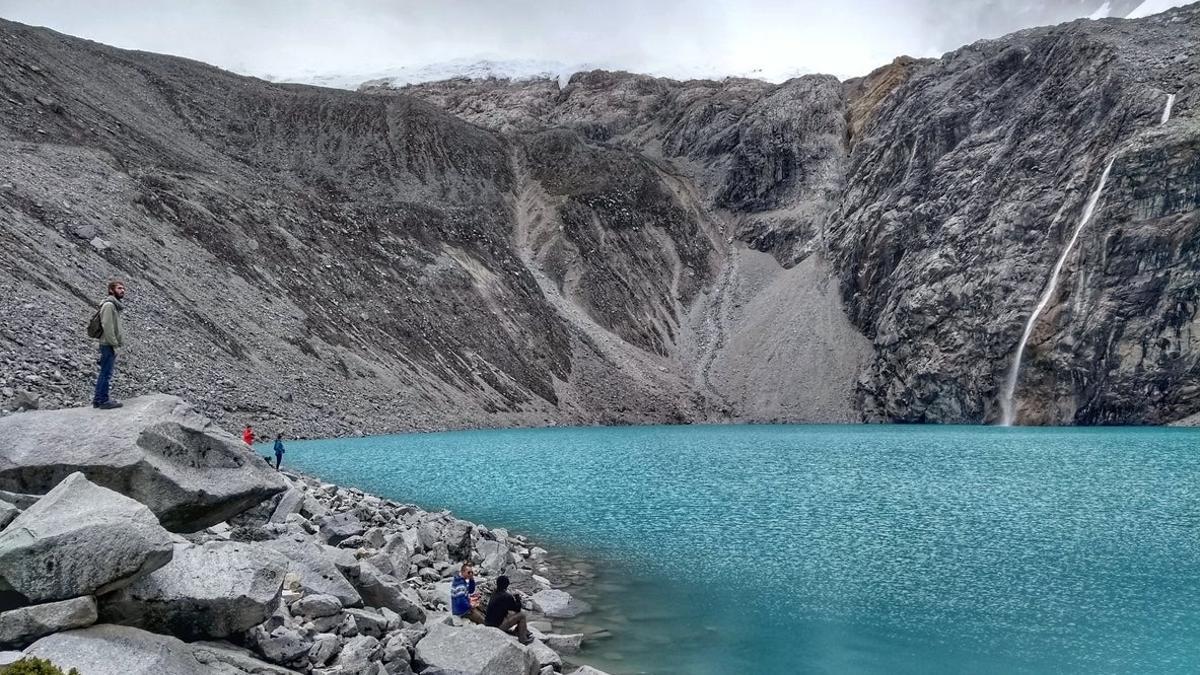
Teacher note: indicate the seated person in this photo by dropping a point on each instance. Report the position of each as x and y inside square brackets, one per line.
[464, 599]
[504, 612]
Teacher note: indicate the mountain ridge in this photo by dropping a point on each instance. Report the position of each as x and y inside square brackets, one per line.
[622, 250]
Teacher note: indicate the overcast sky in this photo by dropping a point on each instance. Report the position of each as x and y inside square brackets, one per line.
[298, 38]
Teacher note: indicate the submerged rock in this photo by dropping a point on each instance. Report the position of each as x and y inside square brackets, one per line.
[156, 449]
[558, 604]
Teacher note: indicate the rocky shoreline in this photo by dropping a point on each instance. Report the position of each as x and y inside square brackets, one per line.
[148, 540]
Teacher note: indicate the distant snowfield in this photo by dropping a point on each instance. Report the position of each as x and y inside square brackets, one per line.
[482, 68]
[490, 66]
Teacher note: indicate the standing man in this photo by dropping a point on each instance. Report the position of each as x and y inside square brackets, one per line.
[248, 435]
[110, 339]
[278, 451]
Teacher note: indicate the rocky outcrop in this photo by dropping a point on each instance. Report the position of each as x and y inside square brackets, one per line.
[20, 627]
[157, 450]
[80, 539]
[186, 599]
[475, 650]
[121, 650]
[293, 603]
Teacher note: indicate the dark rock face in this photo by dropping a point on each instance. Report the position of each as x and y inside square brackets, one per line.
[967, 187]
[497, 253]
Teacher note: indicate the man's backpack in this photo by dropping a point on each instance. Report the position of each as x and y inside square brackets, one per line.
[95, 329]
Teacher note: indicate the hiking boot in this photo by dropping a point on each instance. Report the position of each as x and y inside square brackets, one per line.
[108, 405]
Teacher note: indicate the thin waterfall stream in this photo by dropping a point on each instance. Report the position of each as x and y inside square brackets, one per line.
[1167, 111]
[1007, 402]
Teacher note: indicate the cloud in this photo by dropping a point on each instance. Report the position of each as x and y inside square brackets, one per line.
[300, 38]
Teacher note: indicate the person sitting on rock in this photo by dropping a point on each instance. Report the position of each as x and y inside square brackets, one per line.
[464, 599]
[248, 435]
[278, 451]
[504, 612]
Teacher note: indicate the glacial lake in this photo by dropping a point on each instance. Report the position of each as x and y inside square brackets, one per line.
[838, 549]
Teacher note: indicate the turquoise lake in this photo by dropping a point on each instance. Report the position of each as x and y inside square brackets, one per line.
[838, 549]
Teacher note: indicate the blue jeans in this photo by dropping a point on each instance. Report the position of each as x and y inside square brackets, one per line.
[108, 359]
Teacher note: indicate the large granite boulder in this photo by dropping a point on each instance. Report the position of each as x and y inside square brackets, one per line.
[383, 590]
[121, 650]
[317, 571]
[475, 650]
[157, 449]
[80, 539]
[21, 626]
[209, 591]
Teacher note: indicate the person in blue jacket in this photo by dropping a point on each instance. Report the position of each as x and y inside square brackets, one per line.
[464, 599]
[278, 451]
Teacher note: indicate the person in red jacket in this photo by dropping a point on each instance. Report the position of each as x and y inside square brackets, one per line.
[248, 435]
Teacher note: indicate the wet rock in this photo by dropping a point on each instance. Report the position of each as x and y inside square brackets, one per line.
[80, 539]
[564, 644]
[558, 604]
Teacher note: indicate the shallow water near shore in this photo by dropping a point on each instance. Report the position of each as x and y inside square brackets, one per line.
[837, 549]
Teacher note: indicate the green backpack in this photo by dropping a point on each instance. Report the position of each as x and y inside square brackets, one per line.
[95, 328]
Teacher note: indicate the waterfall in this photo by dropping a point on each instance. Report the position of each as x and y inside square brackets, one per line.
[1167, 111]
[1007, 402]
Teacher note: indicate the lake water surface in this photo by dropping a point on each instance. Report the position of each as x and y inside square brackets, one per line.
[838, 549]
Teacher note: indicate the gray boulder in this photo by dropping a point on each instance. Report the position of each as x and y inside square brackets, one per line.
[7, 658]
[318, 574]
[122, 650]
[358, 652]
[80, 539]
[19, 627]
[157, 450]
[558, 604]
[289, 503]
[381, 590]
[339, 527]
[367, 622]
[545, 656]
[316, 606]
[208, 591]
[282, 645]
[7, 513]
[225, 658]
[564, 644]
[588, 670]
[475, 650]
[325, 646]
[495, 556]
[18, 499]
